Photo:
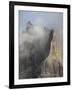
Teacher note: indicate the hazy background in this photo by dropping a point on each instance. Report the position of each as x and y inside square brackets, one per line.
[49, 19]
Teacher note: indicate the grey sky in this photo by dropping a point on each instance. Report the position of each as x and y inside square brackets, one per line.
[49, 19]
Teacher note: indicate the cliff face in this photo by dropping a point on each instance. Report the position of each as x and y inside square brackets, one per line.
[34, 47]
[53, 65]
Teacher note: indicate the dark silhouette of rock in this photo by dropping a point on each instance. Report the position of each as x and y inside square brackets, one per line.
[29, 25]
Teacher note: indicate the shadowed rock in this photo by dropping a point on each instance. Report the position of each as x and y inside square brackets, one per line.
[33, 53]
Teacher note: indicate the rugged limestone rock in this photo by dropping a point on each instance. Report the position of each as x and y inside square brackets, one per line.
[33, 50]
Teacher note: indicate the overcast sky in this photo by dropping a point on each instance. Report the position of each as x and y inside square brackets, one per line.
[49, 19]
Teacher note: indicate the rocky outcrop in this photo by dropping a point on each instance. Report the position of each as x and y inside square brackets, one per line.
[33, 50]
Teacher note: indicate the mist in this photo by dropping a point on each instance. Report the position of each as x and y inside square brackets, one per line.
[38, 31]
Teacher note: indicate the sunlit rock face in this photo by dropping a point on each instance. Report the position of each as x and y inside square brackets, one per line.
[34, 47]
[53, 65]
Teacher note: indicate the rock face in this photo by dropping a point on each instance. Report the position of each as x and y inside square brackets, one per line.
[34, 47]
[53, 65]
